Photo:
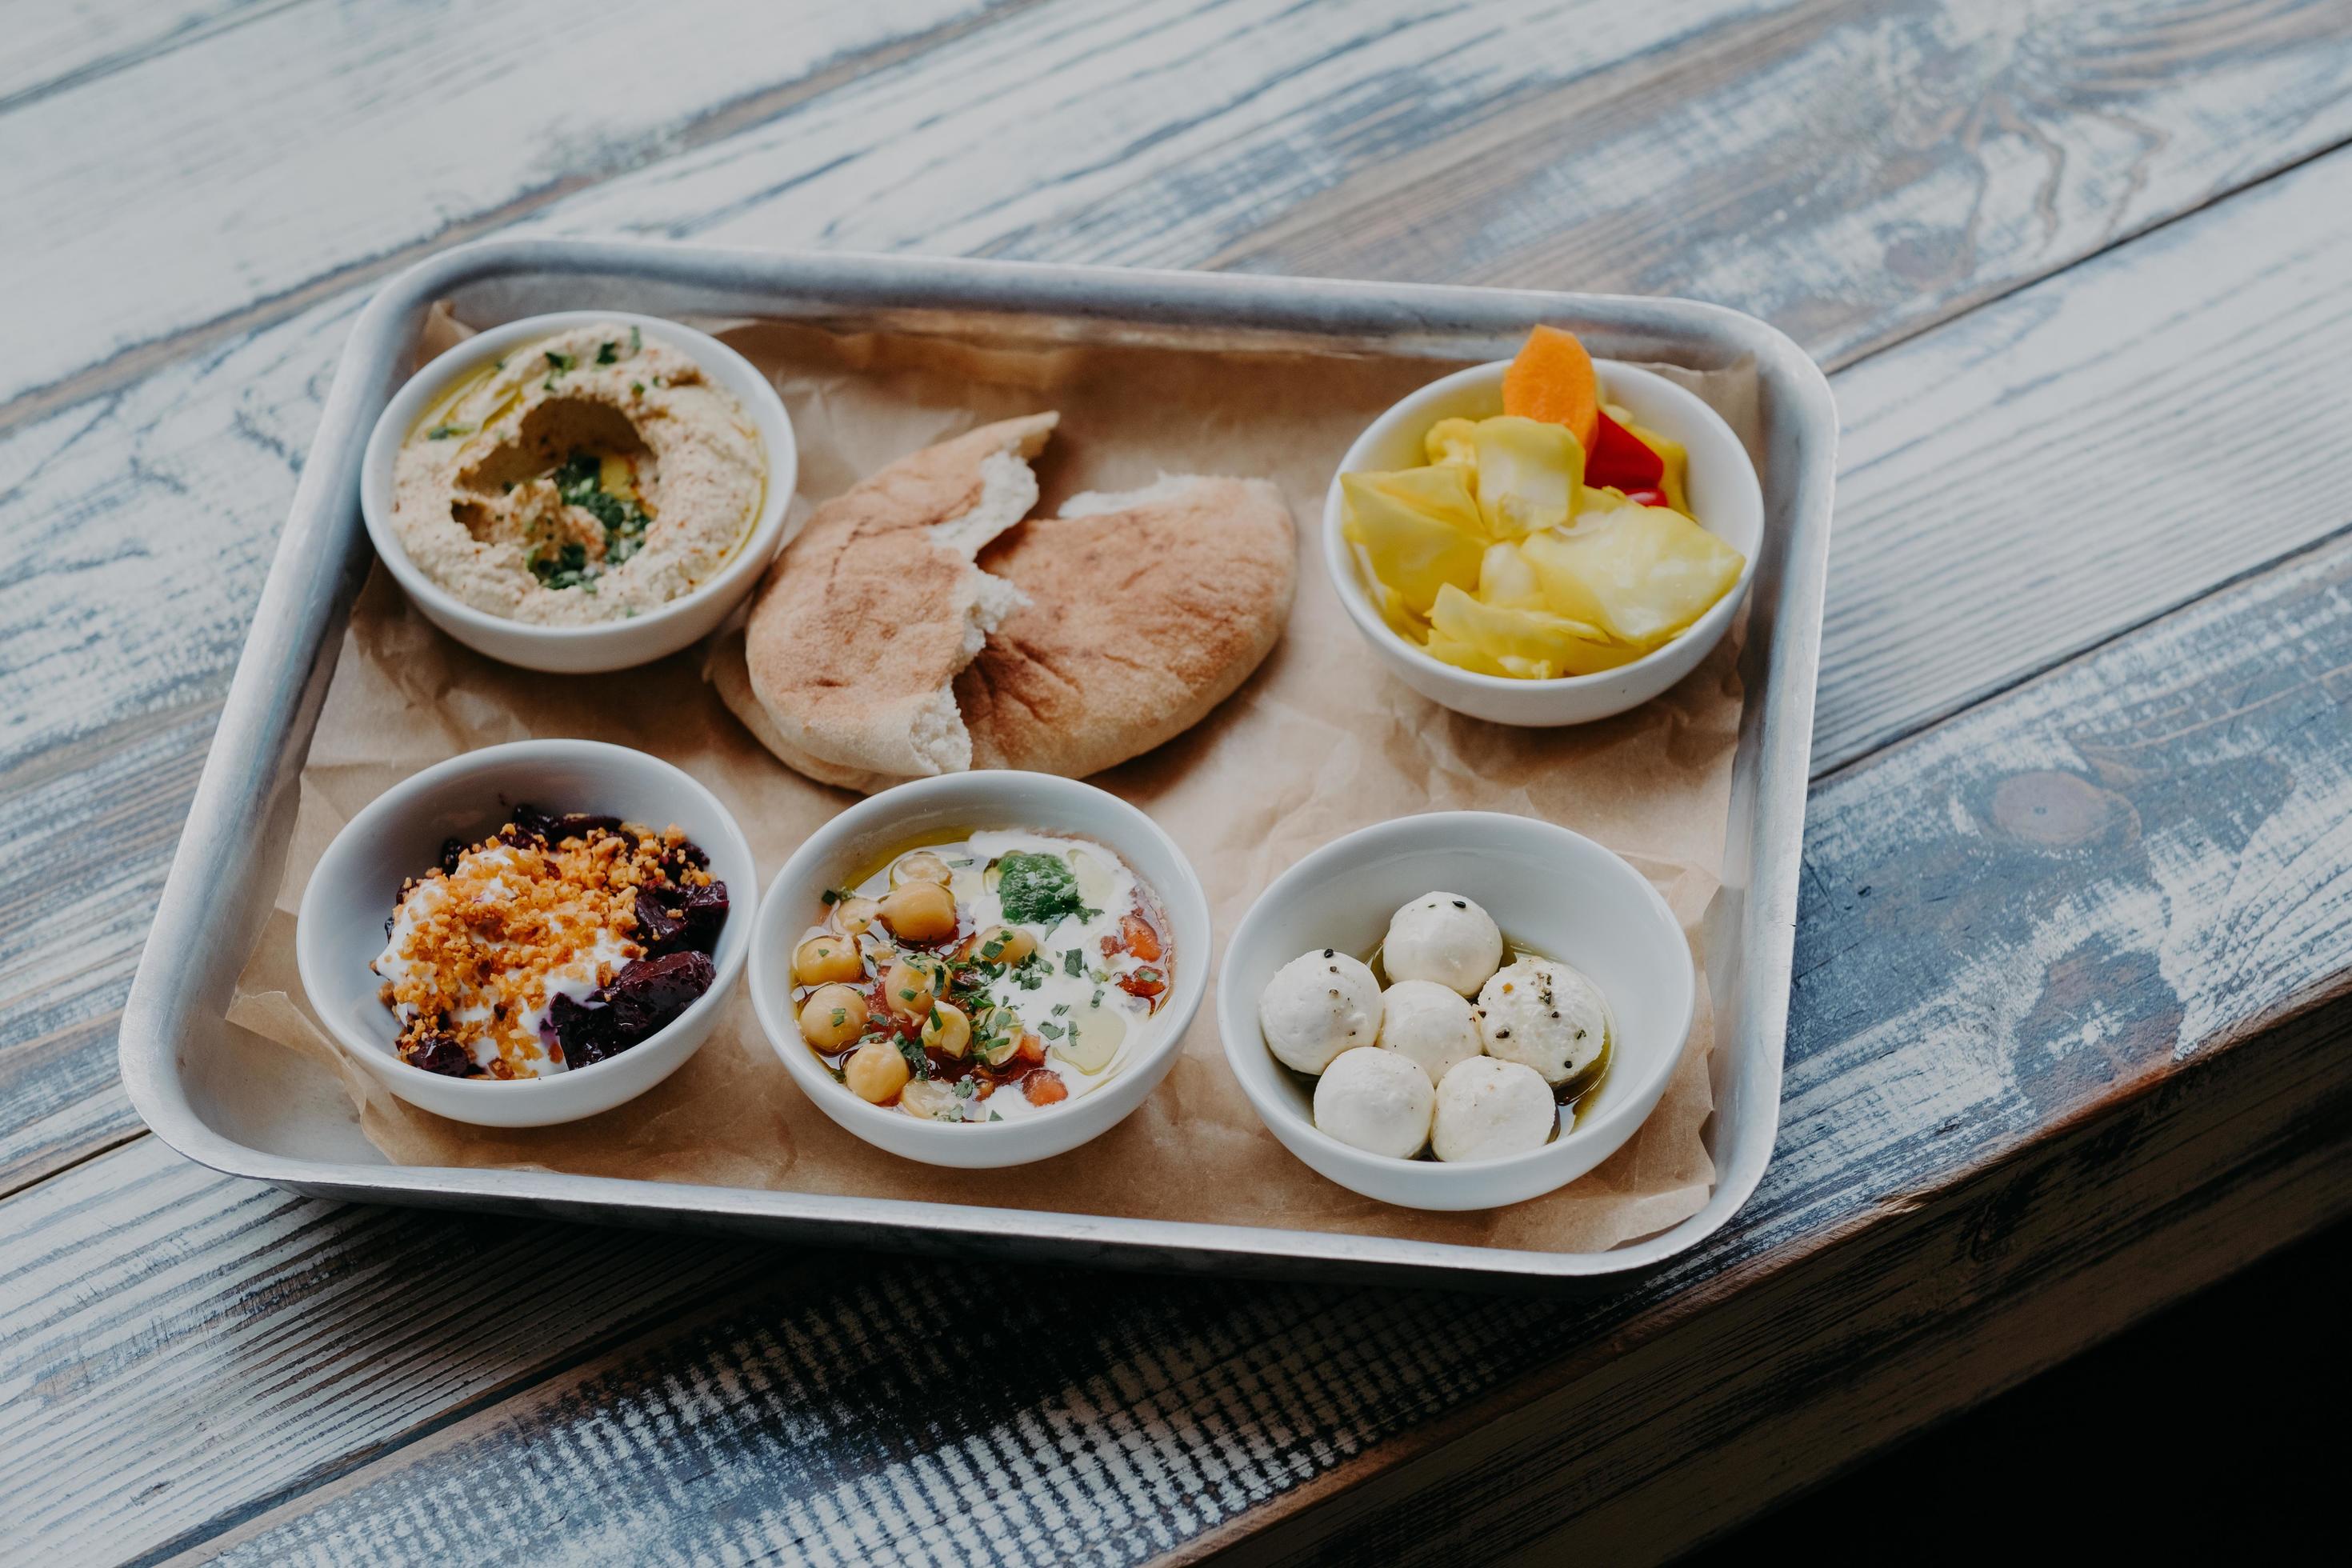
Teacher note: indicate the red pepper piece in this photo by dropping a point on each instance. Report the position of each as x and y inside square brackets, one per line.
[1621, 460]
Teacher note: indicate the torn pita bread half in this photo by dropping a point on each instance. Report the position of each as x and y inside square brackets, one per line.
[861, 627]
[1143, 611]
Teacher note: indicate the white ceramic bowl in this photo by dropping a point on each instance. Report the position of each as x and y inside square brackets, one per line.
[888, 821]
[613, 645]
[1723, 493]
[339, 928]
[1555, 890]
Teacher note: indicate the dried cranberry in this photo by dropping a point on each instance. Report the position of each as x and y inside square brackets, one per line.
[586, 1033]
[651, 992]
[442, 1054]
[452, 851]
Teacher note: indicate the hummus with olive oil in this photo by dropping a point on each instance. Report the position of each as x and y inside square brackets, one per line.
[590, 476]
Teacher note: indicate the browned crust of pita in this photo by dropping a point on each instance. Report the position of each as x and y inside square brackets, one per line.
[861, 621]
[1140, 622]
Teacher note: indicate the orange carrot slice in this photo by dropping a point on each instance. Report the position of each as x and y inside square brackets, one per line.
[1552, 381]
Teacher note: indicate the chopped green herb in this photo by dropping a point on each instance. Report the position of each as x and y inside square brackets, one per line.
[1051, 1031]
[569, 567]
[636, 340]
[558, 363]
[916, 1060]
[448, 432]
[580, 482]
[1074, 963]
[638, 388]
[840, 1016]
[608, 354]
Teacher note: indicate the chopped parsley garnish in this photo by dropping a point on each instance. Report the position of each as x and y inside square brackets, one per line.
[1051, 1031]
[1038, 890]
[448, 432]
[636, 389]
[1074, 961]
[1031, 971]
[913, 1051]
[580, 482]
[840, 1016]
[565, 568]
[608, 354]
[558, 363]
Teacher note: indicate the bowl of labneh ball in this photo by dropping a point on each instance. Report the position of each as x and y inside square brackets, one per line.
[581, 491]
[1458, 1010]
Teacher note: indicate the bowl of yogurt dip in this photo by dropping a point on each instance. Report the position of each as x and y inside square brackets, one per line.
[982, 969]
[581, 491]
[529, 934]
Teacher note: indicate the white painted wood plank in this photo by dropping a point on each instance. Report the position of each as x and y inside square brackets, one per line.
[310, 139]
[2019, 919]
[56, 44]
[2067, 463]
[1849, 173]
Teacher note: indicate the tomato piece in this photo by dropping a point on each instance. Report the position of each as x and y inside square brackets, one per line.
[1144, 982]
[1621, 460]
[1140, 939]
[1044, 1087]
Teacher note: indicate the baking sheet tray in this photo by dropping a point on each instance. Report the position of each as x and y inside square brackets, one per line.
[247, 1108]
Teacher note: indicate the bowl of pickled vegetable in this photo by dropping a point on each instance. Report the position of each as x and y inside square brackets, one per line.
[1544, 539]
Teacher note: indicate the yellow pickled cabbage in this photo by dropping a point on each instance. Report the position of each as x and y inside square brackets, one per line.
[1421, 528]
[1529, 475]
[1505, 577]
[1641, 574]
[1534, 645]
[1451, 441]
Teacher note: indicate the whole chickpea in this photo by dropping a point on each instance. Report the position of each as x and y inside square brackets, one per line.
[852, 916]
[833, 1016]
[908, 984]
[825, 958]
[920, 911]
[875, 1071]
[922, 866]
[947, 1030]
[1007, 945]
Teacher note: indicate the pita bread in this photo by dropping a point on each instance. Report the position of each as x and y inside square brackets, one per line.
[1077, 642]
[860, 628]
[1144, 611]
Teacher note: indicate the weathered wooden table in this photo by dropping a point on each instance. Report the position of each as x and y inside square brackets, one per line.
[2068, 1035]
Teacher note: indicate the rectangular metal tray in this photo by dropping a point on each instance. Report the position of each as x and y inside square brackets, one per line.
[245, 1107]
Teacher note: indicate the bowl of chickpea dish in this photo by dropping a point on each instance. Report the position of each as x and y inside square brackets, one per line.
[982, 969]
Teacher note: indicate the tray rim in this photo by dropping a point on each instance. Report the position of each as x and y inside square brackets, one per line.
[279, 683]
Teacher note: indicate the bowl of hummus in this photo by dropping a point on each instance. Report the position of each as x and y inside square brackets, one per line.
[581, 491]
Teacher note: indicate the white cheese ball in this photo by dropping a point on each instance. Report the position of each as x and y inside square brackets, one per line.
[1488, 1108]
[1433, 1026]
[1317, 1005]
[1545, 1013]
[1377, 1100]
[1443, 938]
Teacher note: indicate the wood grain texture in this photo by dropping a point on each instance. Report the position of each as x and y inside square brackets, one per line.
[53, 47]
[2046, 913]
[2070, 461]
[2076, 895]
[1849, 170]
[242, 151]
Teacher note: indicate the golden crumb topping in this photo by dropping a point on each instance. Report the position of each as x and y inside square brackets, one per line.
[477, 952]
